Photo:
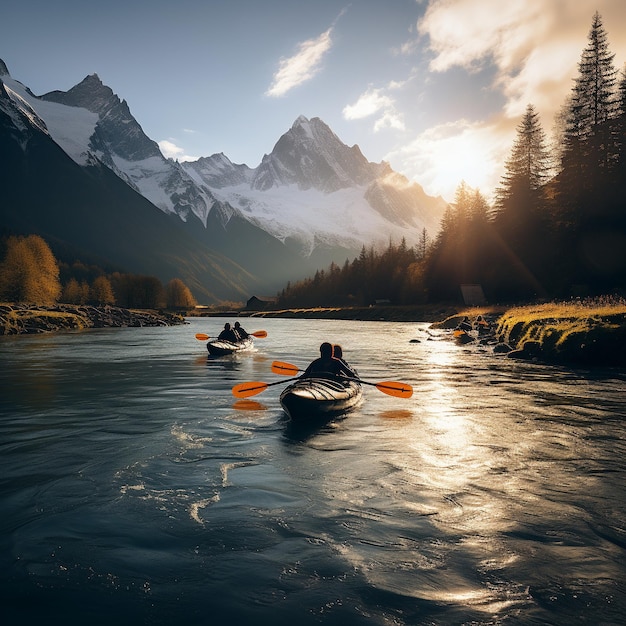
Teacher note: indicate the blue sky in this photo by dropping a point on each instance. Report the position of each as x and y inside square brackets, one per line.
[435, 87]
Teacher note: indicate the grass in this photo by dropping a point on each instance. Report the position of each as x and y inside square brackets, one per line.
[586, 332]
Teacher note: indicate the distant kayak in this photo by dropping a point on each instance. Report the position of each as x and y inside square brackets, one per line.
[224, 348]
[314, 398]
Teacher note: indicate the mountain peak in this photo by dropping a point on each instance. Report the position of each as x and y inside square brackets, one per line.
[301, 120]
[116, 125]
[90, 94]
[311, 156]
[4, 71]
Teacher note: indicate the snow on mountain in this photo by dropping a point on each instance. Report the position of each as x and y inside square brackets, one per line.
[89, 121]
[312, 190]
[70, 128]
[311, 155]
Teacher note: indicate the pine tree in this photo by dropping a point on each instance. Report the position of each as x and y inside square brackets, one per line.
[588, 138]
[589, 190]
[423, 244]
[522, 220]
[620, 124]
[526, 170]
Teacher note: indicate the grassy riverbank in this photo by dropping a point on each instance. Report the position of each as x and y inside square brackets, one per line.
[586, 333]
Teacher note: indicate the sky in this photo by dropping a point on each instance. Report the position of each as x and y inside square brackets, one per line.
[434, 87]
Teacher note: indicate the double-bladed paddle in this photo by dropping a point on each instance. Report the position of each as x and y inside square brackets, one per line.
[257, 333]
[391, 388]
[245, 390]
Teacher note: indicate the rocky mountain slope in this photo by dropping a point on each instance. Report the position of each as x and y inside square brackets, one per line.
[310, 201]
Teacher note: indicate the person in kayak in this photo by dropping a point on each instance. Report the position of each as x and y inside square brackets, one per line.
[240, 331]
[326, 366]
[338, 354]
[228, 334]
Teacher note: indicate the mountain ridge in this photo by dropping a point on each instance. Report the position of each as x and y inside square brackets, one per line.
[310, 201]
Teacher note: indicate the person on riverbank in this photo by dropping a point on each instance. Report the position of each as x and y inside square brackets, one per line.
[327, 366]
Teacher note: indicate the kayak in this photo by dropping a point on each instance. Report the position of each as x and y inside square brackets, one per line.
[224, 348]
[313, 398]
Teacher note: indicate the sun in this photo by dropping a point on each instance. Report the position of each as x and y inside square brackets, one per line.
[446, 155]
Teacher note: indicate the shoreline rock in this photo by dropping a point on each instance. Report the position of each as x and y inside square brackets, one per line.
[19, 319]
[569, 336]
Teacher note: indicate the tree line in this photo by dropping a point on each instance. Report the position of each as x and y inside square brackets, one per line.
[394, 274]
[557, 227]
[29, 272]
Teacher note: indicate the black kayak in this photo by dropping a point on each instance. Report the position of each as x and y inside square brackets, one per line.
[314, 398]
[224, 348]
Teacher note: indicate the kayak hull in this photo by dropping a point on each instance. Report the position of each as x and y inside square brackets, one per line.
[224, 348]
[310, 399]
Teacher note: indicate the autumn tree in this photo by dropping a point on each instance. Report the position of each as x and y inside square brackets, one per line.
[71, 293]
[29, 271]
[178, 295]
[101, 291]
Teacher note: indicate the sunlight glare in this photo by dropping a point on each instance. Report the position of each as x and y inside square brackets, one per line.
[444, 156]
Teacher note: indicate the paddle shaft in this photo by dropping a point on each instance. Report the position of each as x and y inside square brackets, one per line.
[257, 333]
[400, 390]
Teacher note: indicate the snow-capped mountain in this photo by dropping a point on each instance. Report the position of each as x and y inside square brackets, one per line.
[311, 200]
[87, 213]
[313, 190]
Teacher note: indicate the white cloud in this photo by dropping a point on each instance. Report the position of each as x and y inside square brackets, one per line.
[533, 48]
[533, 45]
[389, 119]
[302, 66]
[368, 104]
[171, 151]
[375, 102]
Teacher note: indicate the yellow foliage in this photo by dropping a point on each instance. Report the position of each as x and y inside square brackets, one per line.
[29, 272]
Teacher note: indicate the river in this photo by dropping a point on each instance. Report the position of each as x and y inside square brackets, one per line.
[135, 489]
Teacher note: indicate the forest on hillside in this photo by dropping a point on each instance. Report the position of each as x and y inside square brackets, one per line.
[557, 228]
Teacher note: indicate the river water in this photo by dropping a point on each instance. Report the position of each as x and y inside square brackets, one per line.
[135, 489]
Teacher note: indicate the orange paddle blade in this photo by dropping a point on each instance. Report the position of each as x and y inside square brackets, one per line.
[279, 367]
[245, 390]
[399, 390]
[259, 333]
[201, 337]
